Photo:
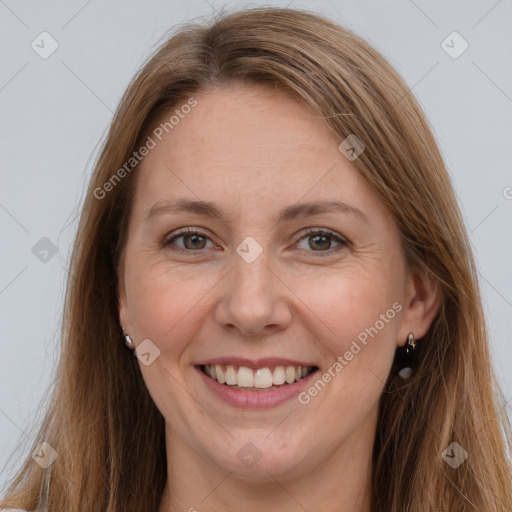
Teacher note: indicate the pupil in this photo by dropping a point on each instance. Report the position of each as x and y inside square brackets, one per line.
[196, 238]
[321, 237]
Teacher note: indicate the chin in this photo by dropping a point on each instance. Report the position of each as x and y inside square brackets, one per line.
[258, 459]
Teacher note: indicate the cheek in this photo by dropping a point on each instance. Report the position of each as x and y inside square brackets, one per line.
[164, 309]
[357, 313]
[347, 304]
[166, 305]
[359, 317]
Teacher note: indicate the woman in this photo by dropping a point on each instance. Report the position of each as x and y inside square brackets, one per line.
[271, 226]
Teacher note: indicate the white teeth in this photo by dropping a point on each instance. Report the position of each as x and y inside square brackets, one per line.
[290, 374]
[279, 377]
[262, 378]
[220, 374]
[230, 375]
[245, 377]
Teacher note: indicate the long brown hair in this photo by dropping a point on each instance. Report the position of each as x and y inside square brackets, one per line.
[101, 420]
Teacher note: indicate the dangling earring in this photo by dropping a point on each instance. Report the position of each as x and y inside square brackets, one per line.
[408, 357]
[128, 341]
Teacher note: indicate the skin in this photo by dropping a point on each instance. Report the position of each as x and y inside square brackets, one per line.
[253, 150]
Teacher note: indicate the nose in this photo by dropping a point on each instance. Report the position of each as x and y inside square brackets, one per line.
[255, 301]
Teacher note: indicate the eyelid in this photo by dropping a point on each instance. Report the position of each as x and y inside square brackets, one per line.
[324, 231]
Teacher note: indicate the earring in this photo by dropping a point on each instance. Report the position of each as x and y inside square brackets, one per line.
[128, 341]
[408, 357]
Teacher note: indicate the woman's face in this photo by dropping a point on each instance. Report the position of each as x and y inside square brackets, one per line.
[241, 283]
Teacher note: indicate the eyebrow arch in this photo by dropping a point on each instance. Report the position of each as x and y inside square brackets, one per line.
[209, 209]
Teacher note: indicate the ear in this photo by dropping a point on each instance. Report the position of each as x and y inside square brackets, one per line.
[122, 304]
[421, 304]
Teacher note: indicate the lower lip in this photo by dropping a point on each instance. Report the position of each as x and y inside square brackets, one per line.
[255, 399]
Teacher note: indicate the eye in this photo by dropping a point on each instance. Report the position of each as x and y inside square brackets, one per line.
[192, 240]
[320, 239]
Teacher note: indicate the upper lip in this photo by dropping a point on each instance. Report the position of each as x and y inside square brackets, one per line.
[256, 363]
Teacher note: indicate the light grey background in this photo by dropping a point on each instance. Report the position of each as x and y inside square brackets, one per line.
[54, 112]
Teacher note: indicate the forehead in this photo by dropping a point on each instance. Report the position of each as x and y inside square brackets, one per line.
[246, 144]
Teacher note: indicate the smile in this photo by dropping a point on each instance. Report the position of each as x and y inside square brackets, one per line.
[255, 388]
[259, 379]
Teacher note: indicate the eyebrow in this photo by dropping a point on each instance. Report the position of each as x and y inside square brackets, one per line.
[210, 210]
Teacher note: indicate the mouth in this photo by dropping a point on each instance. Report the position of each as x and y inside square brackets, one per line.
[264, 379]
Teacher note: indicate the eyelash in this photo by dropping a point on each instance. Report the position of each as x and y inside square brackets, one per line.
[304, 234]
